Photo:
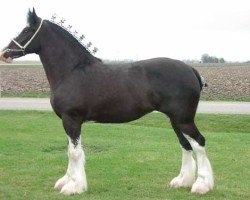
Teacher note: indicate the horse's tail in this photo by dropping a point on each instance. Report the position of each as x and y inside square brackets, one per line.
[200, 79]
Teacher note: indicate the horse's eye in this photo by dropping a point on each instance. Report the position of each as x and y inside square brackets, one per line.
[26, 31]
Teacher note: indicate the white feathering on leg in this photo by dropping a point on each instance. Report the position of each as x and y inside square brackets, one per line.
[74, 181]
[205, 179]
[186, 178]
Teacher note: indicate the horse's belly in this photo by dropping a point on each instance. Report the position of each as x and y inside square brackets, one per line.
[119, 113]
[119, 117]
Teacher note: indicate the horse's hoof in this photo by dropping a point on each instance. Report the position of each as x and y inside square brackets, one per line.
[201, 187]
[182, 181]
[61, 182]
[176, 182]
[73, 187]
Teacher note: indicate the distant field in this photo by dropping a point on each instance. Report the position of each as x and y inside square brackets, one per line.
[229, 82]
[124, 162]
[38, 63]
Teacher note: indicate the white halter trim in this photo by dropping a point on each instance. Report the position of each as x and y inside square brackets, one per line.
[30, 40]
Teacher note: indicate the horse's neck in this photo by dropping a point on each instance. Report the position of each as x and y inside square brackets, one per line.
[59, 57]
[57, 64]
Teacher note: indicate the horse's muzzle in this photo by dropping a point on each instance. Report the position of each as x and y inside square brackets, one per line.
[3, 58]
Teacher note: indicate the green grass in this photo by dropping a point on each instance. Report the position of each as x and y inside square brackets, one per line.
[131, 161]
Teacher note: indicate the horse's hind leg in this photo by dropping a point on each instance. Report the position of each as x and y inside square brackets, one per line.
[186, 177]
[74, 181]
[205, 180]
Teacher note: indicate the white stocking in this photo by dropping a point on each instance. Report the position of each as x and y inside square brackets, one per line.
[186, 178]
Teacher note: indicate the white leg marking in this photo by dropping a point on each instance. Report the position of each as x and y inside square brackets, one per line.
[205, 179]
[186, 178]
[74, 181]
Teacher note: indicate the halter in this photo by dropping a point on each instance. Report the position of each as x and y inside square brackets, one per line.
[22, 48]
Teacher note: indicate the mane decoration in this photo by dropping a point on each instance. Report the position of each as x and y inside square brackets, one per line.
[80, 39]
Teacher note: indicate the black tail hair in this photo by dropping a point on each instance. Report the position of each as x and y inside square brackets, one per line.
[200, 79]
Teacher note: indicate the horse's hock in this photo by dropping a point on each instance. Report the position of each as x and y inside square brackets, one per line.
[224, 82]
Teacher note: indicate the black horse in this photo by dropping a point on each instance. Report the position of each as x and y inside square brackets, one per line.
[83, 88]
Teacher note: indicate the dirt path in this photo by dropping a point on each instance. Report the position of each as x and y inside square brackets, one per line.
[204, 106]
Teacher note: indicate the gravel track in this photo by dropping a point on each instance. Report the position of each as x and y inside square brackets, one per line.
[203, 107]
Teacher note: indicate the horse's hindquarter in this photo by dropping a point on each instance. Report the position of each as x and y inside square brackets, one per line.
[171, 77]
[175, 84]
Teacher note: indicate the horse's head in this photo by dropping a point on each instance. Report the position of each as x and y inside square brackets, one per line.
[26, 42]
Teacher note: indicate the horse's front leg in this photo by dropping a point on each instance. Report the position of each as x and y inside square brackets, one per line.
[74, 181]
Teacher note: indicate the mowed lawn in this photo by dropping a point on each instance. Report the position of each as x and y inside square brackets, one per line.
[135, 160]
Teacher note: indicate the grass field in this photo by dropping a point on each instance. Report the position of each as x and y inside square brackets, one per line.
[128, 161]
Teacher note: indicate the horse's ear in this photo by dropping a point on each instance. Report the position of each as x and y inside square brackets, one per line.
[32, 18]
[34, 12]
